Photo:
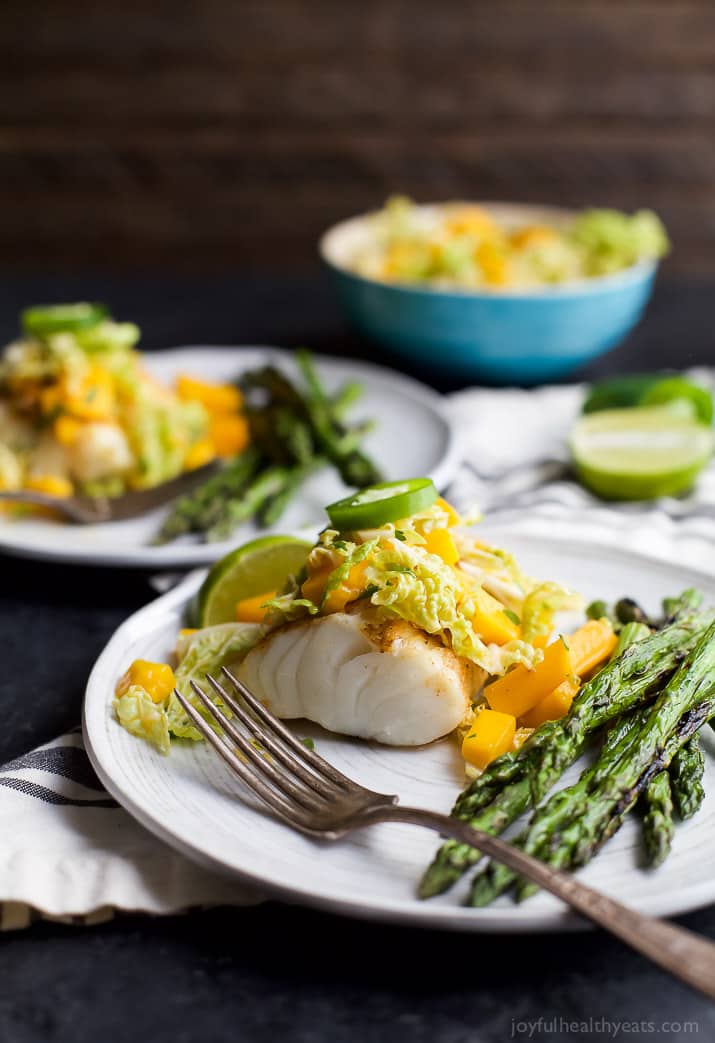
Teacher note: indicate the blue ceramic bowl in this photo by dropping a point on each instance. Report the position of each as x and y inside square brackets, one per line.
[500, 337]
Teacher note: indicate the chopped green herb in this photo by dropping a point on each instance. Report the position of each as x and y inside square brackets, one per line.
[308, 743]
[368, 592]
[512, 617]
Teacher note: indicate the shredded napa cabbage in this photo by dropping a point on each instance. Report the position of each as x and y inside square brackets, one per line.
[494, 569]
[202, 652]
[421, 589]
[611, 240]
[140, 715]
[206, 652]
[541, 605]
[401, 578]
[160, 433]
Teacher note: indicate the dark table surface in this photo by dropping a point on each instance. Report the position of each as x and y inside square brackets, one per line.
[278, 972]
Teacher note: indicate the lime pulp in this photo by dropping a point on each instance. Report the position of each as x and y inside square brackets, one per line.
[258, 567]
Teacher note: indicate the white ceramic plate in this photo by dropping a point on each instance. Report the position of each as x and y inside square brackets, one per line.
[412, 437]
[192, 801]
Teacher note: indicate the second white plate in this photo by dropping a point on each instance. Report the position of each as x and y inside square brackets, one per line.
[412, 437]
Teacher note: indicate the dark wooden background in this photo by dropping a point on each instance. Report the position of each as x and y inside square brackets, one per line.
[207, 134]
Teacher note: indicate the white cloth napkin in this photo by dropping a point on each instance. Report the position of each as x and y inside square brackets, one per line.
[515, 469]
[70, 853]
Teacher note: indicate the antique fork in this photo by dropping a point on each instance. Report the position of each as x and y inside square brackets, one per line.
[94, 510]
[309, 794]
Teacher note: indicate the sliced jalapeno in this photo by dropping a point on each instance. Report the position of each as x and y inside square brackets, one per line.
[42, 320]
[379, 504]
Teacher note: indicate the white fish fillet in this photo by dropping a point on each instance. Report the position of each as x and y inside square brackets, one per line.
[383, 680]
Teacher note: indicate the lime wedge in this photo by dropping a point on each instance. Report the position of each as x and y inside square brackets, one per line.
[639, 454]
[258, 567]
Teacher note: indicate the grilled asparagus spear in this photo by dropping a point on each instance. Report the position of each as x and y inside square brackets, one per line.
[496, 879]
[623, 684]
[198, 511]
[686, 778]
[293, 433]
[658, 826]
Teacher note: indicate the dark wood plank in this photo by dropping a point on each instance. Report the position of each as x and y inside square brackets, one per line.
[215, 131]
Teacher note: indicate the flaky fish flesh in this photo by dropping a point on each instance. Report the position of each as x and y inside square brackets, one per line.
[357, 674]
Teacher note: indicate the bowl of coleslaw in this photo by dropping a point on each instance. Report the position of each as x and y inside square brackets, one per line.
[503, 293]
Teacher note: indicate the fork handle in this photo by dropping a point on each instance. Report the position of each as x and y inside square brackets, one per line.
[686, 955]
[69, 506]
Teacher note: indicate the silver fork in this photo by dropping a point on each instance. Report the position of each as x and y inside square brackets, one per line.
[312, 796]
[94, 510]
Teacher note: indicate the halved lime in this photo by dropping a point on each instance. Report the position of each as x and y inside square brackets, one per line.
[258, 567]
[639, 454]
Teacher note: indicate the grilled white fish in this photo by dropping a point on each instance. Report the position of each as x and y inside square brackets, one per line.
[349, 672]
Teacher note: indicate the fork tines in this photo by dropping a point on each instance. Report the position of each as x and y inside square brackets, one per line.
[253, 740]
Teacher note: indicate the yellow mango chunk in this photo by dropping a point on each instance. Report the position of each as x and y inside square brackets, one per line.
[51, 485]
[453, 515]
[533, 235]
[92, 397]
[407, 259]
[252, 610]
[217, 398]
[491, 735]
[314, 586]
[494, 264]
[67, 429]
[336, 600]
[157, 680]
[349, 589]
[200, 453]
[470, 220]
[229, 433]
[541, 640]
[491, 622]
[554, 706]
[441, 543]
[591, 645]
[520, 689]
